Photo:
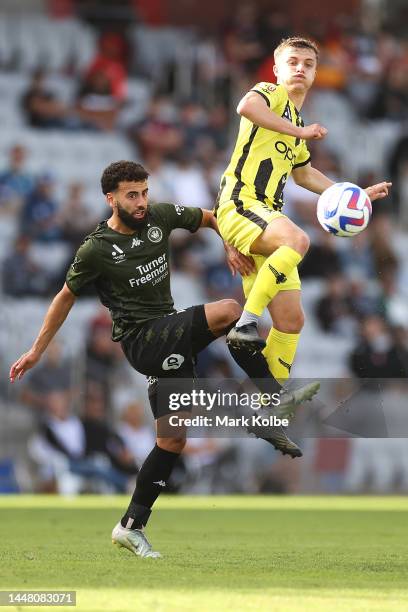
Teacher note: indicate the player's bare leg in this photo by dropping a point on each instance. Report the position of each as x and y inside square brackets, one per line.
[221, 315]
[288, 318]
[281, 232]
[283, 244]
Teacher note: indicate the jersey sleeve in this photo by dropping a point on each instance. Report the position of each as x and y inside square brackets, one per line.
[303, 157]
[271, 93]
[83, 269]
[186, 217]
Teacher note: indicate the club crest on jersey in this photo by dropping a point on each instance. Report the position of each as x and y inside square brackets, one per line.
[269, 88]
[117, 254]
[155, 234]
[179, 209]
[136, 242]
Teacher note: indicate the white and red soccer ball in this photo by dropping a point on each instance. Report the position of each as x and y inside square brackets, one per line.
[344, 209]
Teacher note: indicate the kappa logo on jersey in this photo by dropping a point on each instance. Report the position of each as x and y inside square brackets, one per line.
[75, 263]
[287, 113]
[179, 209]
[151, 380]
[299, 123]
[161, 483]
[155, 234]
[136, 242]
[117, 254]
[173, 362]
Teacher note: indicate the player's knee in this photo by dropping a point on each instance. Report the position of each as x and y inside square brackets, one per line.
[230, 311]
[172, 445]
[292, 323]
[300, 242]
[296, 323]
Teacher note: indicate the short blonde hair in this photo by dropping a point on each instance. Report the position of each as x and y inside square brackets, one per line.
[298, 42]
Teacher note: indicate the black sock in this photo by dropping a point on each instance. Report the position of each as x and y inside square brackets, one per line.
[256, 368]
[151, 481]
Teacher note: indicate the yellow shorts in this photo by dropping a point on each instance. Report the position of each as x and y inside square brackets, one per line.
[240, 227]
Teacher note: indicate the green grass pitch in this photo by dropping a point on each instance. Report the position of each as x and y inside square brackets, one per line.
[220, 553]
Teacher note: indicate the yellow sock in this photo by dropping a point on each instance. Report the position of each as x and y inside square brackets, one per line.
[271, 276]
[280, 352]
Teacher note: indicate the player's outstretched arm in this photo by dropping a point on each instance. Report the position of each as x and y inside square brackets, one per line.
[312, 179]
[56, 315]
[254, 107]
[209, 220]
[378, 191]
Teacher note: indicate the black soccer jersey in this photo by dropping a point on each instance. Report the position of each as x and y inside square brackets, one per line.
[131, 272]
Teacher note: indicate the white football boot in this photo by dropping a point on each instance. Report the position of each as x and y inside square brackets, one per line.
[289, 399]
[134, 540]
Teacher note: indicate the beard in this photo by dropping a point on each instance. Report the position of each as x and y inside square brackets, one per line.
[128, 219]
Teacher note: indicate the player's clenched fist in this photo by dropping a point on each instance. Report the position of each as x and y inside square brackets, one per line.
[313, 132]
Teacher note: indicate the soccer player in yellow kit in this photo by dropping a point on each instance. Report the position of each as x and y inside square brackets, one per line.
[271, 145]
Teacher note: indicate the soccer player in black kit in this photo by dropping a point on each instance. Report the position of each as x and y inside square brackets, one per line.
[127, 259]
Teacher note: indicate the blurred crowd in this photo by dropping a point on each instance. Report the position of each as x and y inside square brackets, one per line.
[89, 435]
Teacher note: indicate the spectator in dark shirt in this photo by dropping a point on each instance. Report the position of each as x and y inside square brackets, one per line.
[41, 107]
[15, 182]
[21, 276]
[398, 170]
[391, 101]
[159, 132]
[101, 439]
[53, 375]
[376, 354]
[101, 356]
[39, 218]
[44, 110]
[334, 310]
[90, 447]
[75, 218]
[242, 46]
[322, 259]
[96, 104]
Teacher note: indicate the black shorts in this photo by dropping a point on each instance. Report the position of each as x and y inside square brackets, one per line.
[166, 348]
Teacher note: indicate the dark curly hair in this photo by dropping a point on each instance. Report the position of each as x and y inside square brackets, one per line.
[121, 171]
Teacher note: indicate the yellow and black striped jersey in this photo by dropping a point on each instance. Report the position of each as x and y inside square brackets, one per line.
[262, 159]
